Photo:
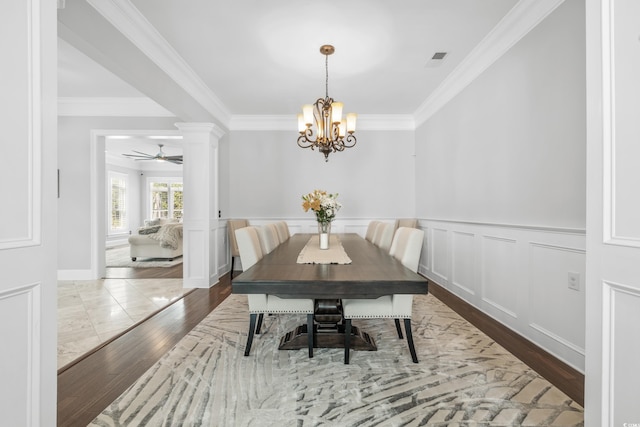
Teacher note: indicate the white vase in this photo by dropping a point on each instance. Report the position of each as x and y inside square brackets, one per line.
[324, 232]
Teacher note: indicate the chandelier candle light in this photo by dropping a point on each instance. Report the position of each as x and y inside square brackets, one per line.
[325, 206]
[332, 132]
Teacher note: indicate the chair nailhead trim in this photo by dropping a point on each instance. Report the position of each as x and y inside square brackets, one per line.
[389, 316]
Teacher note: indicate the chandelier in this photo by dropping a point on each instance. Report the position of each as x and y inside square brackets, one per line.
[332, 132]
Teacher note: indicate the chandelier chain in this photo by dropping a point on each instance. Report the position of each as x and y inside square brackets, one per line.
[326, 76]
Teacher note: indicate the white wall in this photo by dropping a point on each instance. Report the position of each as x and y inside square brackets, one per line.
[501, 187]
[511, 147]
[269, 173]
[74, 218]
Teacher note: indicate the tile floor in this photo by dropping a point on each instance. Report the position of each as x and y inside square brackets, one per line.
[91, 312]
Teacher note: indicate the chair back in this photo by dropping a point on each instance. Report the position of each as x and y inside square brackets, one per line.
[248, 246]
[407, 246]
[268, 238]
[283, 231]
[232, 226]
[377, 235]
[386, 236]
[371, 229]
[407, 222]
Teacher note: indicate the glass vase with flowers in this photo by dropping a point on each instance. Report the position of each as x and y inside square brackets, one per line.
[325, 206]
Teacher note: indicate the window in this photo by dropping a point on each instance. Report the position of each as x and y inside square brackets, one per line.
[165, 198]
[118, 221]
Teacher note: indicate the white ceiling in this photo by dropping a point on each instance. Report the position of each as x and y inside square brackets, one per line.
[262, 57]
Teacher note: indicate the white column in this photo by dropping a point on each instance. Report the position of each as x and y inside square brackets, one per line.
[200, 180]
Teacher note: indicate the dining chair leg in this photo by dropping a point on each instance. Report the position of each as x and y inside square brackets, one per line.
[259, 326]
[412, 349]
[398, 328]
[347, 340]
[252, 327]
[310, 334]
[231, 274]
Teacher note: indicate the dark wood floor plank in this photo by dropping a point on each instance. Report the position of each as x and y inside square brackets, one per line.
[88, 386]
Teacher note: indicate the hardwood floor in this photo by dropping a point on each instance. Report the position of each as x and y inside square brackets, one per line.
[89, 386]
[174, 272]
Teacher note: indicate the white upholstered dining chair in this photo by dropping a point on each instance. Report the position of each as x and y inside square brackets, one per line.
[377, 233]
[232, 226]
[251, 253]
[384, 236]
[406, 222]
[371, 230]
[283, 231]
[268, 238]
[406, 248]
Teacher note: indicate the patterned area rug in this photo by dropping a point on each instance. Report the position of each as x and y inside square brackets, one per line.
[463, 379]
[119, 257]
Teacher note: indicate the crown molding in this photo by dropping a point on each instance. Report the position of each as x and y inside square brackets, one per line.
[111, 107]
[290, 122]
[520, 20]
[125, 17]
[145, 107]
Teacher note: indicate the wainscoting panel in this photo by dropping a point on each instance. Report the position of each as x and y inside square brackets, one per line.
[218, 249]
[499, 275]
[194, 263]
[439, 251]
[551, 268]
[224, 249]
[21, 124]
[463, 274]
[20, 331]
[517, 275]
[425, 256]
[621, 310]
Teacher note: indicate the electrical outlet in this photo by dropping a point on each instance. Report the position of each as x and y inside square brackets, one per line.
[574, 281]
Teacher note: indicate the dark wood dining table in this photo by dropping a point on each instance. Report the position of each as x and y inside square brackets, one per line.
[371, 274]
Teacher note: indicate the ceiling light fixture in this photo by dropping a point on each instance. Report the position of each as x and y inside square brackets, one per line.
[333, 133]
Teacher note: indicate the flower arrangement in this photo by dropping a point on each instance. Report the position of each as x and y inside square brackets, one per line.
[323, 204]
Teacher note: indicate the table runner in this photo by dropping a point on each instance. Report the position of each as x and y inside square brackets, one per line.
[312, 254]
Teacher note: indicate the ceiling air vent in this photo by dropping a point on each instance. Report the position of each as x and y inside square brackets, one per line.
[437, 59]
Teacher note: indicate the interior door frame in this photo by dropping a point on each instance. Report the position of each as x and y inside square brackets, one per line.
[98, 190]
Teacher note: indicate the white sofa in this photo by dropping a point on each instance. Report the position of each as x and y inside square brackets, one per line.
[145, 246]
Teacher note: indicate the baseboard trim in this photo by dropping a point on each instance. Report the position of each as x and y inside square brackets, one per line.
[566, 378]
[76, 275]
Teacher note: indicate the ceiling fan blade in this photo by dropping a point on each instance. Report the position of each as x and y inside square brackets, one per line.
[136, 156]
[160, 156]
[144, 154]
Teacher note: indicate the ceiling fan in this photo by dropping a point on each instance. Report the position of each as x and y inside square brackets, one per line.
[160, 156]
